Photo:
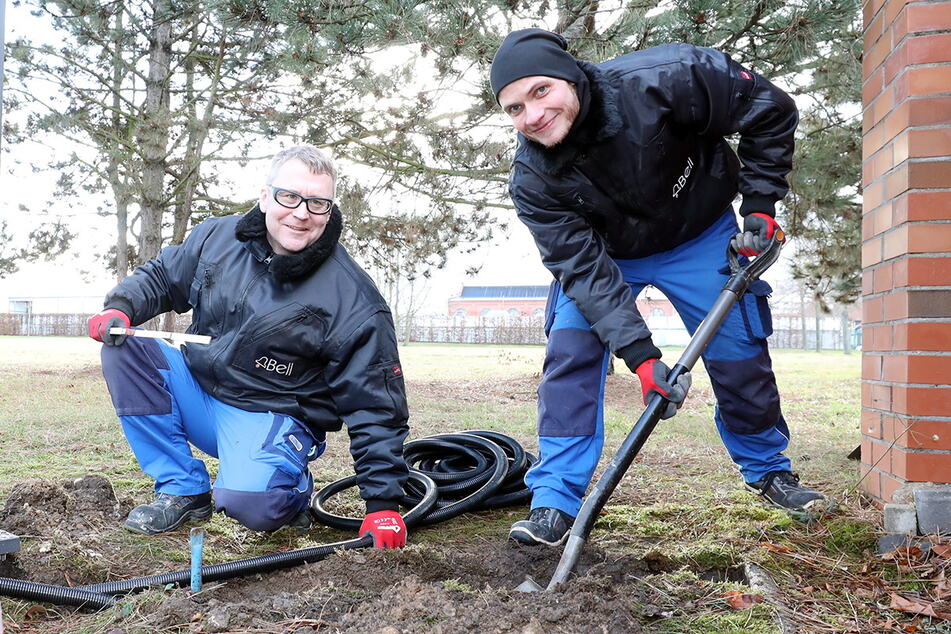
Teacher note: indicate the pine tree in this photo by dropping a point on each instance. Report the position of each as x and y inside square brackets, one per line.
[399, 88]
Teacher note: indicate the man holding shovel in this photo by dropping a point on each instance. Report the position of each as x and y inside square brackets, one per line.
[301, 343]
[624, 177]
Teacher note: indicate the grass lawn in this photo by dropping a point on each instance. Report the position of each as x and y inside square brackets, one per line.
[681, 511]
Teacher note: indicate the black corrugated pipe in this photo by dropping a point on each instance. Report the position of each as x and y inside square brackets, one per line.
[472, 465]
[216, 572]
[467, 467]
[60, 595]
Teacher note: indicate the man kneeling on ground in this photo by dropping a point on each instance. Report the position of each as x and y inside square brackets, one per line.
[301, 343]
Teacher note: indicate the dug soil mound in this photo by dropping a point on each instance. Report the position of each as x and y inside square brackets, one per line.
[65, 521]
[419, 589]
[465, 586]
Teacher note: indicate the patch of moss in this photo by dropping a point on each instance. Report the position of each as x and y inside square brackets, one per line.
[455, 584]
[691, 521]
[756, 620]
[711, 555]
[850, 536]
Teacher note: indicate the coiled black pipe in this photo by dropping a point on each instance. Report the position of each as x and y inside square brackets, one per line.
[474, 466]
[474, 470]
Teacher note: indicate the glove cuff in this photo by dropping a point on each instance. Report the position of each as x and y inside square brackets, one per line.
[382, 505]
[121, 304]
[634, 354]
[758, 204]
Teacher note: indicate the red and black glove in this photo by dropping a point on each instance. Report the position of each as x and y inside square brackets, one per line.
[653, 375]
[387, 528]
[758, 230]
[101, 322]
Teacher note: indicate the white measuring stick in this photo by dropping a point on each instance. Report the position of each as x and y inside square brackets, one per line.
[160, 334]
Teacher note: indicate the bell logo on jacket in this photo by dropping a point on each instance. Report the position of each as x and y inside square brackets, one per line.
[683, 178]
[273, 365]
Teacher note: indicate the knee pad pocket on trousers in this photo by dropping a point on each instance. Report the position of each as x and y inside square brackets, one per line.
[132, 373]
[754, 306]
[261, 510]
[570, 391]
[747, 396]
[289, 447]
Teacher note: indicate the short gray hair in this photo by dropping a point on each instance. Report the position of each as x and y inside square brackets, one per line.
[313, 158]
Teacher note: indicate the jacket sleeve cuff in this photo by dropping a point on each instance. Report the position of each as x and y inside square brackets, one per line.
[121, 304]
[382, 505]
[758, 205]
[638, 352]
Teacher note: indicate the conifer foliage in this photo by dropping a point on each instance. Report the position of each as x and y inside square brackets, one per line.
[159, 97]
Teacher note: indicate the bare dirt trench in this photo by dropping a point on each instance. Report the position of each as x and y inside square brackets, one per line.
[462, 586]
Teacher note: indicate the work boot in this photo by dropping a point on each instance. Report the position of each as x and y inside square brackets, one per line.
[782, 489]
[303, 521]
[168, 512]
[544, 525]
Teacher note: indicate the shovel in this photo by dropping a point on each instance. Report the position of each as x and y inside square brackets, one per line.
[740, 280]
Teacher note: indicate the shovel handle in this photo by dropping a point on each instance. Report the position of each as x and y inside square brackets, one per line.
[758, 265]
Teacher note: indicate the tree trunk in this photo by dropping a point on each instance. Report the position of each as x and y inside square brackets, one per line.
[818, 329]
[117, 181]
[576, 18]
[198, 127]
[846, 332]
[802, 319]
[153, 132]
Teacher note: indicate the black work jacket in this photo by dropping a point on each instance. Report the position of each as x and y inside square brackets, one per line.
[320, 348]
[649, 169]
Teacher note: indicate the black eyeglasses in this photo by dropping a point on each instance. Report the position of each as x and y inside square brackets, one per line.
[292, 200]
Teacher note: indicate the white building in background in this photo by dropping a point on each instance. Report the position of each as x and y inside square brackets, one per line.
[52, 288]
[38, 304]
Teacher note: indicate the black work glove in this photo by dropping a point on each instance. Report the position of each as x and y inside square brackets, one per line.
[758, 230]
[653, 375]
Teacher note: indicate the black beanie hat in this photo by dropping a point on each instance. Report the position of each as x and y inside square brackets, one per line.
[530, 52]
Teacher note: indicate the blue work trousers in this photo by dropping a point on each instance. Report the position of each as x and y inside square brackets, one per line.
[571, 393]
[262, 481]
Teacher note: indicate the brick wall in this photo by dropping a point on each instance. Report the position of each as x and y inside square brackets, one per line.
[474, 307]
[906, 245]
[528, 307]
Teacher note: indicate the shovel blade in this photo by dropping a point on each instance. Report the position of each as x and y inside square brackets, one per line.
[529, 585]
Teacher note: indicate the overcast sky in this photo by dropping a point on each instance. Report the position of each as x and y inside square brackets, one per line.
[511, 258]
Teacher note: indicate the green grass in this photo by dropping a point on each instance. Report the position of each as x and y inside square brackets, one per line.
[682, 496]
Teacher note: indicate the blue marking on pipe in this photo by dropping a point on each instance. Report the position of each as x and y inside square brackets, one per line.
[197, 541]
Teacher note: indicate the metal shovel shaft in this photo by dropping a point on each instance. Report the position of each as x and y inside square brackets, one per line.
[595, 501]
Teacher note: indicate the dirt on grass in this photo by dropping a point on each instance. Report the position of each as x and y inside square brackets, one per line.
[461, 587]
[662, 558]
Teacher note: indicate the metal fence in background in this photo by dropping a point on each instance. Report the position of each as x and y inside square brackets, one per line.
[68, 324]
[435, 329]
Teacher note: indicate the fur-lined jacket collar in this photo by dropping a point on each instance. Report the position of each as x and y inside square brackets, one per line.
[602, 122]
[251, 229]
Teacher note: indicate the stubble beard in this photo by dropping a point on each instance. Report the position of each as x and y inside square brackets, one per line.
[570, 113]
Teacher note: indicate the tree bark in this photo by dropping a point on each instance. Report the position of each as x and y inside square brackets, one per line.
[119, 189]
[846, 332]
[153, 132]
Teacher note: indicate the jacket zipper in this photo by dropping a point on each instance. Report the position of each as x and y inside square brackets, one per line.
[244, 295]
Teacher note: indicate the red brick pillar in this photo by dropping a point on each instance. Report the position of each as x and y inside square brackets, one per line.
[906, 245]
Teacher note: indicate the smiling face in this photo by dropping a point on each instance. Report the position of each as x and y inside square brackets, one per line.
[291, 230]
[542, 108]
